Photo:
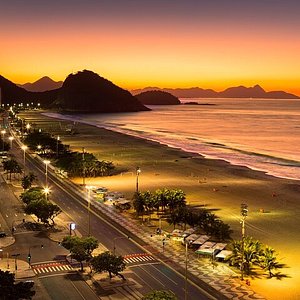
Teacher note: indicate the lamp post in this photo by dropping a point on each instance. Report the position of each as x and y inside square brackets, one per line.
[89, 187]
[3, 133]
[46, 162]
[83, 166]
[16, 262]
[186, 268]
[57, 141]
[11, 138]
[138, 171]
[28, 126]
[46, 192]
[244, 213]
[24, 148]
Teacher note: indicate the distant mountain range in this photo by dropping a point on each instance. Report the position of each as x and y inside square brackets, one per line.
[47, 84]
[232, 92]
[84, 91]
[157, 98]
[42, 85]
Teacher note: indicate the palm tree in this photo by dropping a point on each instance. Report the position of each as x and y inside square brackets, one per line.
[252, 254]
[269, 261]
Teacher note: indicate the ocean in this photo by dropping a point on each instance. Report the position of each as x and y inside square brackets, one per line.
[261, 134]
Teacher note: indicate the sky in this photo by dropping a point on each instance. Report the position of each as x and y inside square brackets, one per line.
[164, 43]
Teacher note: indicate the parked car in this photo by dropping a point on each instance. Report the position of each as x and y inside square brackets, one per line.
[2, 234]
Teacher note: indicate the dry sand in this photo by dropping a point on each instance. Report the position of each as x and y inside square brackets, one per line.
[274, 203]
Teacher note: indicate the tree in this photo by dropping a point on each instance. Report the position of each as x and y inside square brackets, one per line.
[9, 290]
[160, 295]
[43, 210]
[139, 203]
[27, 181]
[11, 166]
[252, 254]
[75, 165]
[32, 194]
[80, 248]
[269, 261]
[107, 262]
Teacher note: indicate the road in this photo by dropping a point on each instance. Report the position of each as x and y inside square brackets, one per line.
[68, 286]
[150, 276]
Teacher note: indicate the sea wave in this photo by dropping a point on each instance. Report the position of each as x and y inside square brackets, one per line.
[269, 164]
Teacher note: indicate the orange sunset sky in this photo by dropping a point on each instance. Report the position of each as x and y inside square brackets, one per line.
[154, 43]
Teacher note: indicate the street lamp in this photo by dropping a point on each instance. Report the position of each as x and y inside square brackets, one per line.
[24, 148]
[83, 166]
[89, 187]
[244, 213]
[46, 162]
[3, 133]
[28, 127]
[138, 171]
[186, 268]
[57, 140]
[11, 138]
[46, 192]
[16, 265]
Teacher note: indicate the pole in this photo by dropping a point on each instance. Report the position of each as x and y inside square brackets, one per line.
[243, 248]
[83, 167]
[57, 145]
[186, 267]
[89, 212]
[138, 171]
[244, 213]
[46, 174]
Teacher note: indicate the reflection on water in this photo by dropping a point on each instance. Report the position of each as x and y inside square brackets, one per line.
[260, 134]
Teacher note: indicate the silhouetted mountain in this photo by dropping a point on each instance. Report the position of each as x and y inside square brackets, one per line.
[157, 98]
[41, 85]
[86, 91]
[11, 93]
[232, 92]
[194, 92]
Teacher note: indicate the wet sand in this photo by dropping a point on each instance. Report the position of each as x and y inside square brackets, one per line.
[274, 204]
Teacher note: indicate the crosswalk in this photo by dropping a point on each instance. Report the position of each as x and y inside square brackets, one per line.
[139, 258]
[51, 267]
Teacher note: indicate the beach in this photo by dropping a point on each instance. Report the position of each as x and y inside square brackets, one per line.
[273, 203]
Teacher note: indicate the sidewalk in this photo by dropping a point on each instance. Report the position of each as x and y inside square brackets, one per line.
[23, 269]
[219, 275]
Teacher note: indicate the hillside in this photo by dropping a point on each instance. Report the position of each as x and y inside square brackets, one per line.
[86, 91]
[82, 92]
[157, 98]
[43, 84]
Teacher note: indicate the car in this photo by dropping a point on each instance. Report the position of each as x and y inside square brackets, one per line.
[2, 234]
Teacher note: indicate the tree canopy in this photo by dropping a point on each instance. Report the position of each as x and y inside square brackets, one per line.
[9, 290]
[160, 295]
[80, 248]
[107, 262]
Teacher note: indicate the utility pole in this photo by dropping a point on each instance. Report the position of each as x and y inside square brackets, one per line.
[83, 166]
[244, 213]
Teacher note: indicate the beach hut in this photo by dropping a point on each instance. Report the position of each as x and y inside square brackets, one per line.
[188, 232]
[201, 240]
[223, 254]
[189, 239]
[206, 248]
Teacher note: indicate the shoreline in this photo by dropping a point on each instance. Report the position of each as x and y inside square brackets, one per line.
[216, 184]
[201, 155]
